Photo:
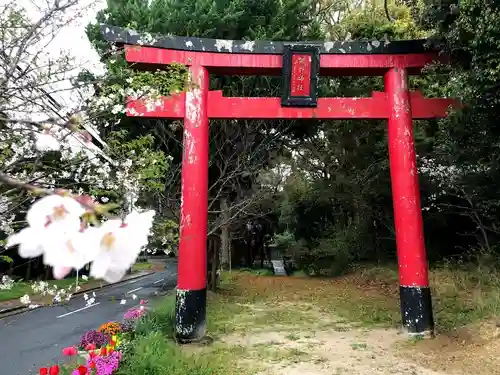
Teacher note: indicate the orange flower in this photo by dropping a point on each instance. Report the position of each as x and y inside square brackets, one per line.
[111, 328]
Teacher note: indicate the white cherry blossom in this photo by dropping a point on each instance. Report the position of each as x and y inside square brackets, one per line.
[120, 244]
[28, 240]
[55, 231]
[25, 300]
[70, 250]
[55, 209]
[52, 219]
[46, 142]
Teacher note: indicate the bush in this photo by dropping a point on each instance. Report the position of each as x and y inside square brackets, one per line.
[332, 254]
[285, 239]
[154, 351]
[160, 319]
[155, 354]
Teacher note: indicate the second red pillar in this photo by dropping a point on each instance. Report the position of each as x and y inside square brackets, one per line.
[416, 305]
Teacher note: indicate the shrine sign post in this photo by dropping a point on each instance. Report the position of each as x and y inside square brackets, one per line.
[299, 64]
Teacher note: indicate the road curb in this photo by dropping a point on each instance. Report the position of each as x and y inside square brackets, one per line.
[20, 309]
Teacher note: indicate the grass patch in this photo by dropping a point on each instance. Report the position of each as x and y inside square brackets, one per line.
[20, 288]
[292, 301]
[368, 296]
[465, 294]
[142, 266]
[155, 352]
[250, 306]
[257, 271]
[299, 273]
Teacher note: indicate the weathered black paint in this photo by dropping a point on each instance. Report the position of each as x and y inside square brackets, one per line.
[119, 35]
[287, 100]
[416, 310]
[190, 315]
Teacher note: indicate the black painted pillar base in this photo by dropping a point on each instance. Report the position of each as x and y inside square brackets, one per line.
[416, 310]
[190, 315]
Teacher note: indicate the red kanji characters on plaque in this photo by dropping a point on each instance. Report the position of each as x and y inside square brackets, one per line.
[300, 81]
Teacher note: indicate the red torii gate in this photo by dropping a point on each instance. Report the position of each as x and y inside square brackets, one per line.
[299, 64]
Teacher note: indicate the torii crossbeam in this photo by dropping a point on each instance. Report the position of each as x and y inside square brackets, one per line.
[299, 64]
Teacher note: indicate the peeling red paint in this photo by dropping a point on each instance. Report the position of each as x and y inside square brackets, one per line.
[404, 179]
[219, 107]
[192, 244]
[261, 64]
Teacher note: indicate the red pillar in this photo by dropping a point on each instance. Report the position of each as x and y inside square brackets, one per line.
[192, 266]
[416, 306]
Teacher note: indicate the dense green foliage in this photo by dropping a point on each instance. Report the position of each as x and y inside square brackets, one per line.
[335, 207]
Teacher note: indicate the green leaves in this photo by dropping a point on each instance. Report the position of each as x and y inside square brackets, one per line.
[6, 259]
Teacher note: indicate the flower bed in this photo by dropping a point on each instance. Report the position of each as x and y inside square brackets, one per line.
[100, 351]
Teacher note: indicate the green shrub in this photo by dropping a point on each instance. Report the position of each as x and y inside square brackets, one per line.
[285, 239]
[332, 254]
[156, 354]
[160, 319]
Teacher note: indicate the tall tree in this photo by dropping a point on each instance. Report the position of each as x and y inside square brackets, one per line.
[239, 149]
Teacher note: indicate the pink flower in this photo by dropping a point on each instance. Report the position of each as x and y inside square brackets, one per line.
[134, 313]
[80, 370]
[107, 365]
[70, 351]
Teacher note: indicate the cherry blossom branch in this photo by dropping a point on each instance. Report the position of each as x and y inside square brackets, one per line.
[7, 180]
[85, 201]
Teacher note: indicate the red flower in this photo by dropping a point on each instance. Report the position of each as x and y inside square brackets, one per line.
[92, 364]
[70, 351]
[90, 347]
[82, 370]
[54, 370]
[44, 371]
[93, 354]
[103, 351]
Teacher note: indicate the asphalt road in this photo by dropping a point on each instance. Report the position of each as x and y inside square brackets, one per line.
[34, 339]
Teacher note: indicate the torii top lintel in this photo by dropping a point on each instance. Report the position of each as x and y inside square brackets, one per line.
[224, 56]
[298, 63]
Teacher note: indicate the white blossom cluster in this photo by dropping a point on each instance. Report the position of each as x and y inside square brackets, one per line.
[116, 102]
[57, 231]
[7, 283]
[446, 177]
[23, 142]
[41, 288]
[44, 288]
[6, 218]
[55, 225]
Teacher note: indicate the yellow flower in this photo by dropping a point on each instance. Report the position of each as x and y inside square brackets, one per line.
[115, 339]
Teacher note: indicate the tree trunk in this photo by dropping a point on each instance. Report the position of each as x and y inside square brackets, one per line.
[28, 271]
[225, 246]
[230, 251]
[213, 273]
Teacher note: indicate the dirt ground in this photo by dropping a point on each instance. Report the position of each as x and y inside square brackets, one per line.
[294, 337]
[334, 347]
